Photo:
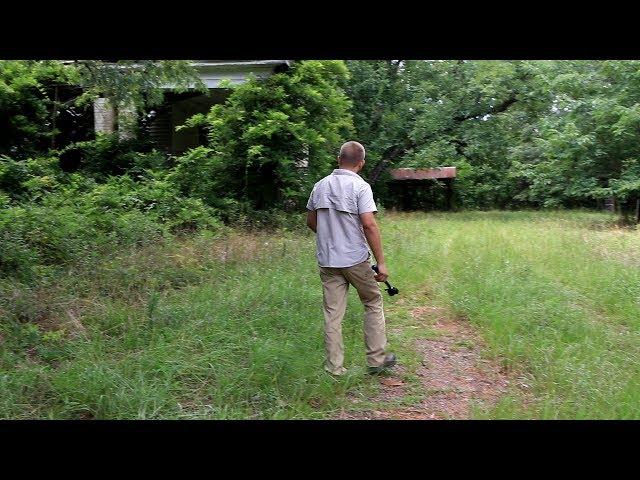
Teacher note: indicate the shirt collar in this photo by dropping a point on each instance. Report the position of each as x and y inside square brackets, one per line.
[343, 171]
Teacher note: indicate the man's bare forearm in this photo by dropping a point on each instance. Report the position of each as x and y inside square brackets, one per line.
[312, 221]
[374, 239]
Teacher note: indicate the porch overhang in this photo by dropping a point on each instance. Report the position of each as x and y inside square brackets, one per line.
[423, 173]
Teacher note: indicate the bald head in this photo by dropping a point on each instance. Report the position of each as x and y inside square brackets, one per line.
[351, 153]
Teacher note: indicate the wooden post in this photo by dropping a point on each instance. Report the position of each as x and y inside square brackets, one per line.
[405, 197]
[104, 116]
[449, 193]
[637, 210]
[609, 204]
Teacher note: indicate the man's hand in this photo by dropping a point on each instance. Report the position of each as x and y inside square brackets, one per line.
[382, 274]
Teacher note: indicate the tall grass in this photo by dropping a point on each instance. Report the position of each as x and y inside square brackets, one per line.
[545, 296]
[202, 328]
[231, 327]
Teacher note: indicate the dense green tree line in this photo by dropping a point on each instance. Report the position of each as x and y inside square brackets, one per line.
[523, 134]
[77, 198]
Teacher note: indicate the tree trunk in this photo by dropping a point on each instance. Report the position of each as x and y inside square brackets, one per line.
[449, 193]
[609, 204]
[387, 157]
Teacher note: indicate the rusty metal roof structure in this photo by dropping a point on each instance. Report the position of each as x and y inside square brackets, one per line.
[423, 173]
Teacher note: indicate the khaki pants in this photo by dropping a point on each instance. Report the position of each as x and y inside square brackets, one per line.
[335, 285]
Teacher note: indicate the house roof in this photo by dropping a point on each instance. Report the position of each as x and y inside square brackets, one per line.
[222, 63]
[236, 63]
[213, 72]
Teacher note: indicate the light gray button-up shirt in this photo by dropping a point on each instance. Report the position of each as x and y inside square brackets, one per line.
[339, 199]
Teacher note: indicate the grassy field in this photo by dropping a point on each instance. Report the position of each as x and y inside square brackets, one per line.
[231, 327]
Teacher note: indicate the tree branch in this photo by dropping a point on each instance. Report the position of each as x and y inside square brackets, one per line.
[460, 146]
[492, 111]
[388, 155]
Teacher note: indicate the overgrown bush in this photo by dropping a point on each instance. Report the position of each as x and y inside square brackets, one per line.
[32, 237]
[109, 155]
[50, 218]
[25, 105]
[153, 196]
[200, 173]
[28, 179]
[262, 137]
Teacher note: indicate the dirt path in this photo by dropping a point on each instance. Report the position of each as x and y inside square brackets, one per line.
[452, 374]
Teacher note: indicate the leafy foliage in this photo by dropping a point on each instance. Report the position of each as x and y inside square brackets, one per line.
[522, 133]
[543, 134]
[266, 128]
[50, 218]
[109, 155]
[26, 105]
[39, 98]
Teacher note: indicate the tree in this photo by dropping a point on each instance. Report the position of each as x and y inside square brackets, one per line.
[587, 145]
[140, 83]
[522, 133]
[31, 105]
[382, 112]
[446, 112]
[272, 138]
[26, 105]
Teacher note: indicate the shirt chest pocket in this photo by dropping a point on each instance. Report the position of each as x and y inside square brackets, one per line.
[341, 203]
[344, 204]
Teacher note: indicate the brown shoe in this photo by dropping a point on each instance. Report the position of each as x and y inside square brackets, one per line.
[338, 372]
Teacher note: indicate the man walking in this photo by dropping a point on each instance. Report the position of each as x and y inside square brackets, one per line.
[341, 213]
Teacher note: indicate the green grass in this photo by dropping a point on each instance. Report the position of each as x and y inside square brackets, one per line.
[174, 332]
[207, 327]
[546, 296]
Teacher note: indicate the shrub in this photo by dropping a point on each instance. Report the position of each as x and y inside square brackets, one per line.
[155, 196]
[199, 173]
[265, 131]
[37, 235]
[5, 200]
[29, 179]
[109, 155]
[26, 104]
[82, 218]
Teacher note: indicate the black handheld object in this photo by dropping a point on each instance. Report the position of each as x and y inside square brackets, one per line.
[391, 290]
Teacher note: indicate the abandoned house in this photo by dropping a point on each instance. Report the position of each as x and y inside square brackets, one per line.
[161, 122]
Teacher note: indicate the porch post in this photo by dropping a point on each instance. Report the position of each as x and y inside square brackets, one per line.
[103, 116]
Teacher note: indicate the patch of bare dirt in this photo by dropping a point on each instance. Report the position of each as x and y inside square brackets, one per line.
[453, 375]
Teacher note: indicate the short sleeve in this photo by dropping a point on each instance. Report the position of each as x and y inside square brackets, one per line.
[311, 204]
[365, 200]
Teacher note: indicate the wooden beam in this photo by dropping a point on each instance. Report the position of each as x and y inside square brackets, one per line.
[423, 173]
